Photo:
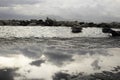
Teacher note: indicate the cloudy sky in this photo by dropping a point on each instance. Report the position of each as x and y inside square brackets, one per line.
[83, 10]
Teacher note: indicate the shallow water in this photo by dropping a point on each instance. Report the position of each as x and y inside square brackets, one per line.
[40, 58]
[38, 31]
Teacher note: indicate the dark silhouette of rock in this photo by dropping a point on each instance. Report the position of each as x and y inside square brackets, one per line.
[76, 29]
[104, 75]
[109, 30]
[116, 69]
[61, 76]
[7, 74]
[37, 63]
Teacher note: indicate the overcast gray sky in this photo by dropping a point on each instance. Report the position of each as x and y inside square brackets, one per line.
[82, 10]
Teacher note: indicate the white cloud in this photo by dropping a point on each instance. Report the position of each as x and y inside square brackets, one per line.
[91, 10]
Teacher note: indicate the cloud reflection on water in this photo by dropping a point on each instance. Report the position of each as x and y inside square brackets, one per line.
[49, 60]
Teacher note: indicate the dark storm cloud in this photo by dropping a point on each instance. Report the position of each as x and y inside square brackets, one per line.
[82, 10]
[5, 15]
[37, 62]
[6, 3]
[58, 57]
[13, 15]
[7, 74]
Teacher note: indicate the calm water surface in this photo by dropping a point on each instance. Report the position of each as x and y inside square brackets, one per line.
[54, 53]
[41, 58]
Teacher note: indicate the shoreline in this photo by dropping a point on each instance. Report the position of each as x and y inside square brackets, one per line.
[52, 22]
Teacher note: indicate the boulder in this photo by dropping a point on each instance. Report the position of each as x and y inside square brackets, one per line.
[76, 29]
[113, 32]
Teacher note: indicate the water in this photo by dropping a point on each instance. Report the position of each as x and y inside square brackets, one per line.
[38, 53]
[38, 31]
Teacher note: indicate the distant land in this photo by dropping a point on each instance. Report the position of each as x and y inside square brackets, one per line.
[53, 22]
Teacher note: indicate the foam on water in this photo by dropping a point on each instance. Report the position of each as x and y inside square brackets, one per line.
[38, 31]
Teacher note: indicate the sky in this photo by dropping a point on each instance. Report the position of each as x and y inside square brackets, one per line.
[81, 10]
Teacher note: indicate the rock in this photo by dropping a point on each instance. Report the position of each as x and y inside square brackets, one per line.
[1, 23]
[109, 30]
[106, 30]
[76, 29]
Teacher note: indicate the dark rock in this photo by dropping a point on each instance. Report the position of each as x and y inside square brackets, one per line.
[61, 76]
[7, 74]
[76, 29]
[104, 75]
[106, 30]
[109, 30]
[37, 63]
